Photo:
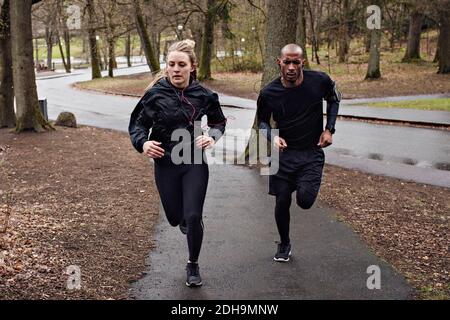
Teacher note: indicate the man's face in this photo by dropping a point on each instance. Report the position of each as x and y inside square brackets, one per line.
[290, 65]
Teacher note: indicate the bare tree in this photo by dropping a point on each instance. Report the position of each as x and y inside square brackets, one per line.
[344, 7]
[282, 19]
[415, 30]
[29, 116]
[314, 29]
[7, 116]
[128, 49]
[46, 17]
[214, 9]
[93, 46]
[444, 37]
[373, 68]
[301, 30]
[146, 43]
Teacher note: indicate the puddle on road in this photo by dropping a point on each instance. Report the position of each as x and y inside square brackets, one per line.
[343, 151]
[412, 162]
[442, 166]
[409, 161]
[375, 156]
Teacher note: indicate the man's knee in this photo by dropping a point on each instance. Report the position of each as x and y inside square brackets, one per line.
[305, 200]
[283, 200]
[193, 218]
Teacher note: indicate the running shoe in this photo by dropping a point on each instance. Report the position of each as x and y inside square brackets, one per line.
[283, 253]
[193, 278]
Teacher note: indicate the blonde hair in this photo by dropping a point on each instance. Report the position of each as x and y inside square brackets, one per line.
[186, 46]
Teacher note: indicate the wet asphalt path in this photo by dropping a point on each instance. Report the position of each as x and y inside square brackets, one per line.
[329, 261]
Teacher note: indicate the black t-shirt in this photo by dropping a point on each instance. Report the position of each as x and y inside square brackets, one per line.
[297, 111]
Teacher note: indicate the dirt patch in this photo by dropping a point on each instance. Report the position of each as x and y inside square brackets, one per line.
[128, 85]
[79, 197]
[405, 223]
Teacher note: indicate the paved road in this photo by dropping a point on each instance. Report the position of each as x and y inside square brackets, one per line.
[397, 114]
[402, 152]
[397, 98]
[329, 261]
[357, 108]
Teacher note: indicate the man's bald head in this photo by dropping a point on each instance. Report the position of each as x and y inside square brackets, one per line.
[291, 62]
[290, 49]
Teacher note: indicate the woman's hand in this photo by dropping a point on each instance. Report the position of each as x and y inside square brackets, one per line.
[204, 142]
[152, 149]
[279, 143]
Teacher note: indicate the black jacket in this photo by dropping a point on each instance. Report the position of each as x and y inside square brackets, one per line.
[165, 109]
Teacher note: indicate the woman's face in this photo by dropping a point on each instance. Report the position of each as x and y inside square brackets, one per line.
[179, 68]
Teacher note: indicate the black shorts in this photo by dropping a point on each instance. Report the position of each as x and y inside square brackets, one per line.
[298, 168]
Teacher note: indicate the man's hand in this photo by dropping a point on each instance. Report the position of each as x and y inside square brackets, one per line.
[326, 139]
[204, 142]
[152, 149]
[280, 143]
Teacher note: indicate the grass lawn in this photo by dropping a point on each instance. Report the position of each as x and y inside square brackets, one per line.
[442, 104]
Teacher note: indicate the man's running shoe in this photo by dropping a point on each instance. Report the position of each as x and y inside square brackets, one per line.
[193, 278]
[283, 253]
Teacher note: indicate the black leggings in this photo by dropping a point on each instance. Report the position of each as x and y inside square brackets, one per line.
[300, 171]
[182, 189]
[305, 199]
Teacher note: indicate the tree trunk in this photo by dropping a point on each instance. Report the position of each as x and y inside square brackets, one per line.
[67, 44]
[61, 51]
[367, 41]
[373, 68]
[281, 20]
[314, 33]
[49, 42]
[36, 53]
[155, 42]
[146, 43]
[436, 55]
[29, 116]
[415, 29]
[444, 38]
[233, 62]
[105, 58]
[158, 46]
[93, 48]
[343, 32]
[7, 116]
[301, 30]
[128, 49]
[112, 57]
[204, 72]
[83, 45]
[87, 54]
[197, 35]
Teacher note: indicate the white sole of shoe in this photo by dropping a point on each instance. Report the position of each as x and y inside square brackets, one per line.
[194, 284]
[281, 259]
